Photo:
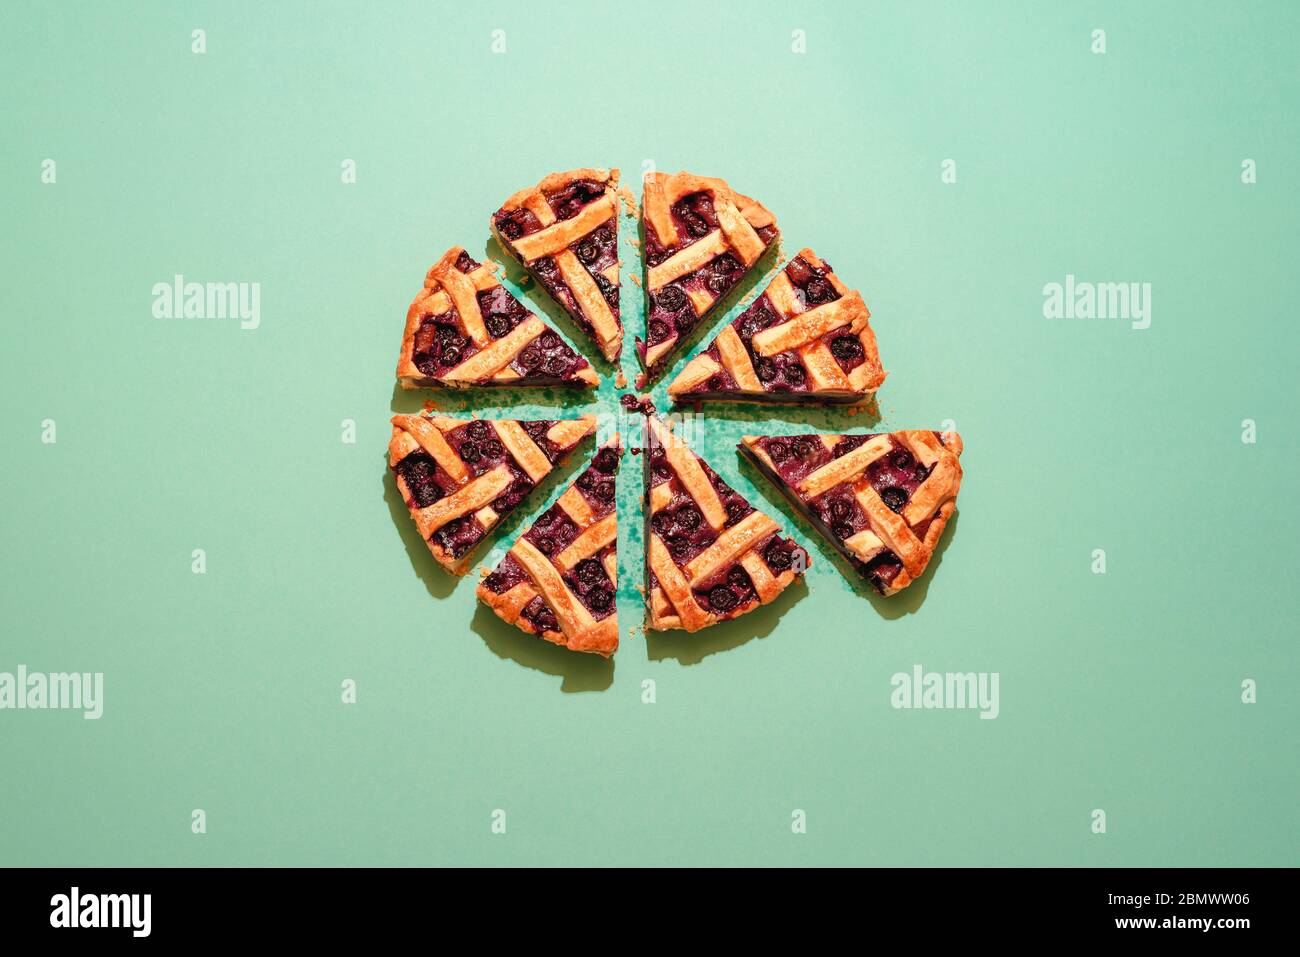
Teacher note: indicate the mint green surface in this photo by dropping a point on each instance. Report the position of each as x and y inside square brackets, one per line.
[222, 691]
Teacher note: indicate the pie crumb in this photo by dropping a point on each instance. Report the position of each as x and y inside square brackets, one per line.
[629, 201]
[636, 243]
[635, 278]
[620, 380]
[430, 405]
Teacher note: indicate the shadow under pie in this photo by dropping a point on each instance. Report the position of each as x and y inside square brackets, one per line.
[580, 672]
[689, 648]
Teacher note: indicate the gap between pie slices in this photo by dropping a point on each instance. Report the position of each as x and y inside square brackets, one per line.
[465, 329]
[882, 501]
[807, 338]
[710, 555]
[564, 231]
[559, 579]
[700, 240]
[460, 477]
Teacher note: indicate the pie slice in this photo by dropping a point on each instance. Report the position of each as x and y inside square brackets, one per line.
[466, 329]
[460, 477]
[807, 338]
[882, 500]
[564, 231]
[710, 555]
[701, 239]
[559, 578]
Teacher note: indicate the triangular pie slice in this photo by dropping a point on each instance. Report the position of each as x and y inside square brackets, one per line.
[559, 578]
[564, 231]
[710, 555]
[460, 477]
[882, 500]
[807, 338]
[466, 329]
[701, 239]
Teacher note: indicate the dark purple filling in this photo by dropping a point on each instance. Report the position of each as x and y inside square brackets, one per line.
[465, 263]
[420, 473]
[796, 456]
[440, 344]
[589, 582]
[895, 476]
[681, 528]
[598, 489]
[569, 201]
[727, 592]
[680, 524]
[478, 446]
[553, 532]
[507, 575]
[515, 223]
[501, 311]
[670, 312]
[598, 250]
[459, 535]
[540, 615]
[548, 357]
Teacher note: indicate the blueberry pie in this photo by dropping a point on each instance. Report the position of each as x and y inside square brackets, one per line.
[564, 231]
[700, 240]
[710, 555]
[460, 477]
[805, 339]
[466, 329]
[559, 578]
[882, 500]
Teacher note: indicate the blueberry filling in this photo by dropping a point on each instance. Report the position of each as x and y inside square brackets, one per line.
[553, 532]
[778, 557]
[670, 298]
[894, 498]
[570, 200]
[540, 615]
[722, 598]
[819, 291]
[439, 344]
[419, 471]
[458, 536]
[606, 461]
[515, 223]
[846, 348]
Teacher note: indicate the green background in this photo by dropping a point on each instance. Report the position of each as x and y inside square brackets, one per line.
[1118, 691]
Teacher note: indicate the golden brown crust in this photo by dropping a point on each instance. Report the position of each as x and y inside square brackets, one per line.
[932, 504]
[597, 537]
[473, 495]
[671, 601]
[739, 218]
[802, 329]
[446, 287]
[556, 237]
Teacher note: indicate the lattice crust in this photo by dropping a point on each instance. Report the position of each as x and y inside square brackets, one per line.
[730, 547]
[559, 578]
[806, 338]
[865, 494]
[458, 477]
[743, 230]
[556, 253]
[453, 298]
